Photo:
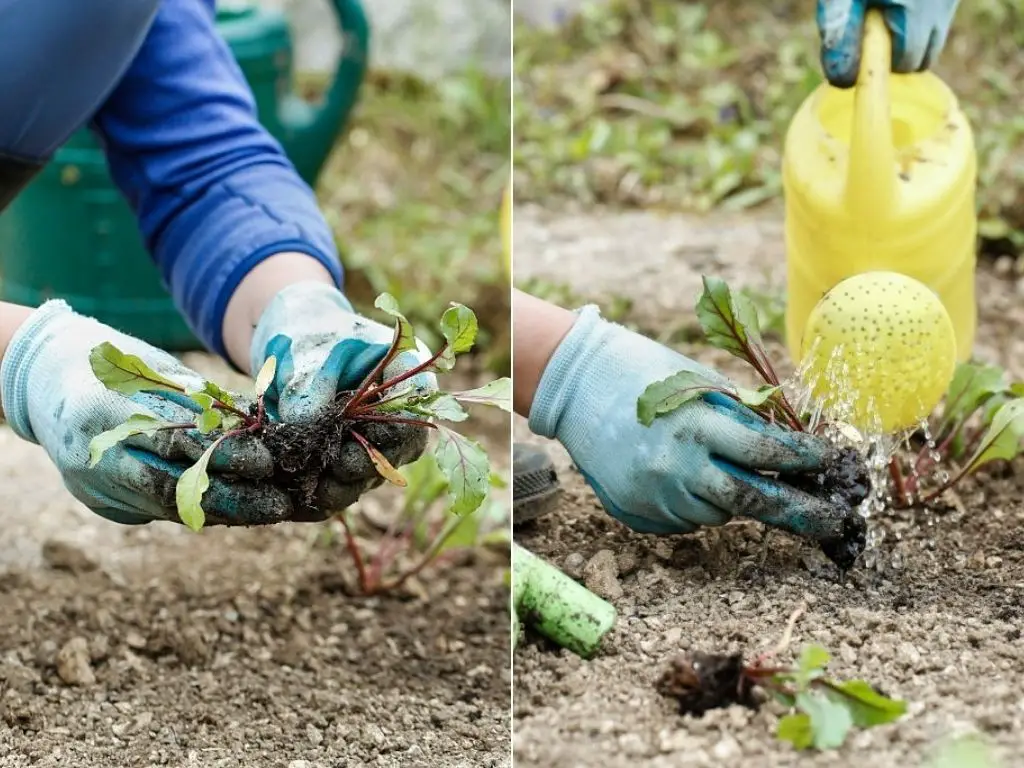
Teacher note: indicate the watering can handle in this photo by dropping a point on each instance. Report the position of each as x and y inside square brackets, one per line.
[312, 130]
[352, 63]
[871, 178]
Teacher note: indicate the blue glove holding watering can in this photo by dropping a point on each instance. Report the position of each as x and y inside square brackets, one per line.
[918, 27]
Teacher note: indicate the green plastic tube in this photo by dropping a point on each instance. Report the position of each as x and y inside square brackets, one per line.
[556, 606]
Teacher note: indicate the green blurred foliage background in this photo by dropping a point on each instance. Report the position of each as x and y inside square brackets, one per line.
[413, 191]
[684, 105]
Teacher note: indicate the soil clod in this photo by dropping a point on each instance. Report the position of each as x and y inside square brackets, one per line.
[704, 681]
[845, 484]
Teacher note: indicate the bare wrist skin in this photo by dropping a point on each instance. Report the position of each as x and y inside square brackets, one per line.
[538, 327]
[12, 316]
[256, 291]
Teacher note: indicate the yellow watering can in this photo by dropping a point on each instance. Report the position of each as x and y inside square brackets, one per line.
[879, 183]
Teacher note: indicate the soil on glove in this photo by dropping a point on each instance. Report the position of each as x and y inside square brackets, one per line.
[933, 614]
[136, 647]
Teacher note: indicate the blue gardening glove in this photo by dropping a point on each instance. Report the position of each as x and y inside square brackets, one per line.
[918, 27]
[51, 397]
[696, 466]
[323, 348]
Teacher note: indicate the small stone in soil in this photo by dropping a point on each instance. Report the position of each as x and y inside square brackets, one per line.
[703, 681]
[73, 663]
[601, 575]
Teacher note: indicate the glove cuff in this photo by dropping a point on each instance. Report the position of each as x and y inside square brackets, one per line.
[288, 310]
[27, 344]
[566, 370]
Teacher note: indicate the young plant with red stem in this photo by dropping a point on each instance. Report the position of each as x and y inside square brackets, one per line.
[461, 462]
[821, 711]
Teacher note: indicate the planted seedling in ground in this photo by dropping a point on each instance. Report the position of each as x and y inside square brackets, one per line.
[303, 453]
[820, 711]
[730, 322]
[981, 421]
[419, 534]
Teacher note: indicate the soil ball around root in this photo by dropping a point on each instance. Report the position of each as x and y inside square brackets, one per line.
[703, 681]
[303, 453]
[845, 483]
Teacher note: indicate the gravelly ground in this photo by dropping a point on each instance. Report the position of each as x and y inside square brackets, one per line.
[235, 647]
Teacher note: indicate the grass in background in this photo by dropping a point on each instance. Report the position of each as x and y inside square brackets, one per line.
[663, 104]
[413, 192]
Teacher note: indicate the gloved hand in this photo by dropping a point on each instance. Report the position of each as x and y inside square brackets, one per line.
[919, 29]
[51, 397]
[322, 348]
[696, 466]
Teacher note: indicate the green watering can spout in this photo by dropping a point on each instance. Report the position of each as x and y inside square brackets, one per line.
[310, 130]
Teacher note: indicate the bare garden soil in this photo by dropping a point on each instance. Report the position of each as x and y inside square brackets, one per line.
[130, 648]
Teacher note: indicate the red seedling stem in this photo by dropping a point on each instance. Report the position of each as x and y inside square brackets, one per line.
[357, 555]
[902, 497]
[368, 389]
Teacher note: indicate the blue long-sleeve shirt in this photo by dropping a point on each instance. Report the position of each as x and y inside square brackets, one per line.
[213, 191]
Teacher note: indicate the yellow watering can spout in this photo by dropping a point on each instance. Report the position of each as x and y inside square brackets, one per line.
[879, 183]
[871, 178]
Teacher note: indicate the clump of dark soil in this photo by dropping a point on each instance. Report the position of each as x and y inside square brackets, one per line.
[703, 681]
[303, 453]
[845, 483]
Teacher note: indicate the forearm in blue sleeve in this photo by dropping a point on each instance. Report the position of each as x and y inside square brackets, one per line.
[214, 192]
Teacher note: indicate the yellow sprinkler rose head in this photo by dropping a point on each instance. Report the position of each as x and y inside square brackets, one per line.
[879, 351]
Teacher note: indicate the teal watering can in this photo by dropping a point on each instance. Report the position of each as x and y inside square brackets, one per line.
[95, 260]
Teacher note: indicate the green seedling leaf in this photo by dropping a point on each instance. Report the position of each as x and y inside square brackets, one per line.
[266, 376]
[406, 399]
[461, 532]
[405, 338]
[137, 424]
[216, 392]
[971, 387]
[444, 407]
[964, 752]
[384, 467]
[667, 395]
[459, 326]
[796, 729]
[127, 374]
[830, 720]
[209, 420]
[729, 320]
[755, 398]
[467, 469]
[867, 706]
[425, 484]
[811, 665]
[230, 421]
[1002, 439]
[202, 399]
[188, 494]
[497, 393]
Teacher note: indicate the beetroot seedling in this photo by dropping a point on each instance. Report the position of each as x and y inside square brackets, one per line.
[821, 711]
[303, 453]
[730, 322]
[980, 421]
[417, 537]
